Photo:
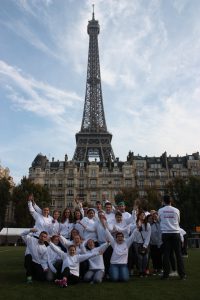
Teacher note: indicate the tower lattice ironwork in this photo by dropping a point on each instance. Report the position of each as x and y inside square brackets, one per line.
[93, 140]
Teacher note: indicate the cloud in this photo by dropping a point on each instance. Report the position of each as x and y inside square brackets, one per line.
[35, 96]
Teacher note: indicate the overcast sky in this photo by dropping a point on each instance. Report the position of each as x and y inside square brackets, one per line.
[150, 71]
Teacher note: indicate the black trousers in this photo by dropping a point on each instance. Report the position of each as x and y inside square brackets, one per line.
[172, 242]
[33, 269]
[106, 258]
[156, 257]
[71, 279]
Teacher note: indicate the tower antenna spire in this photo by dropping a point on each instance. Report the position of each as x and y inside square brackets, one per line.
[92, 11]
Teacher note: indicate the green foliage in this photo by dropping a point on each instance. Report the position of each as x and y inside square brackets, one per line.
[186, 194]
[4, 198]
[20, 197]
[153, 198]
[128, 195]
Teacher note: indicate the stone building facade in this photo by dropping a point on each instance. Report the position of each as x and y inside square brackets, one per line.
[94, 181]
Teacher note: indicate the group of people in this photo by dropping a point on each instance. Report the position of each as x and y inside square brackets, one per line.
[92, 244]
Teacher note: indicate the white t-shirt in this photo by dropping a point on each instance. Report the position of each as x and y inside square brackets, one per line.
[169, 217]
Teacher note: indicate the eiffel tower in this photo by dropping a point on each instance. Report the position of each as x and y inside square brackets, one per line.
[93, 140]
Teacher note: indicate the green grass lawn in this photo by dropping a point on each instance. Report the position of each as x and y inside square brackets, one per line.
[13, 285]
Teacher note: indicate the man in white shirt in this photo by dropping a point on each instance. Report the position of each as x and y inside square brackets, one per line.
[169, 217]
[36, 258]
[122, 208]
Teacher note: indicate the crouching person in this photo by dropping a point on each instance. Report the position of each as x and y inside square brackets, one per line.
[36, 255]
[54, 261]
[71, 264]
[118, 264]
[96, 270]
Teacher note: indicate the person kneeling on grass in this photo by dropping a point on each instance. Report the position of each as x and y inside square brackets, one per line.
[96, 270]
[118, 264]
[71, 262]
[54, 260]
[36, 258]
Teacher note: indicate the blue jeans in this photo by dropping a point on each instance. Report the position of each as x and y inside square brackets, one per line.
[119, 272]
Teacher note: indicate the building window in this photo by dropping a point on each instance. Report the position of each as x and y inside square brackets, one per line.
[174, 173]
[81, 183]
[104, 171]
[127, 171]
[128, 182]
[161, 173]
[93, 183]
[155, 166]
[70, 182]
[70, 193]
[140, 165]
[53, 202]
[71, 172]
[116, 182]
[194, 173]
[152, 173]
[177, 166]
[104, 181]
[52, 182]
[184, 174]
[93, 173]
[59, 204]
[93, 196]
[81, 172]
[142, 193]
[141, 183]
[139, 173]
[151, 183]
[37, 171]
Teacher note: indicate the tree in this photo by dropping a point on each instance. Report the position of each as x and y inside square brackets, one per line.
[153, 198]
[128, 195]
[20, 197]
[4, 198]
[186, 195]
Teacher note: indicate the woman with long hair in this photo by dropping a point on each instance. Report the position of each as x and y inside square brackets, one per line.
[66, 223]
[142, 234]
[78, 216]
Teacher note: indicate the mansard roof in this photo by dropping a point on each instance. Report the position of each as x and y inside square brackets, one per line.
[40, 161]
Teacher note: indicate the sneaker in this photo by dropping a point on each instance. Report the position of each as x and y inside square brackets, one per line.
[173, 274]
[61, 282]
[183, 277]
[29, 280]
[64, 283]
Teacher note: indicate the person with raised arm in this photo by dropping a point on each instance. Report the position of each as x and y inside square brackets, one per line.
[88, 224]
[36, 258]
[77, 218]
[118, 263]
[54, 261]
[43, 220]
[96, 269]
[66, 224]
[71, 264]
